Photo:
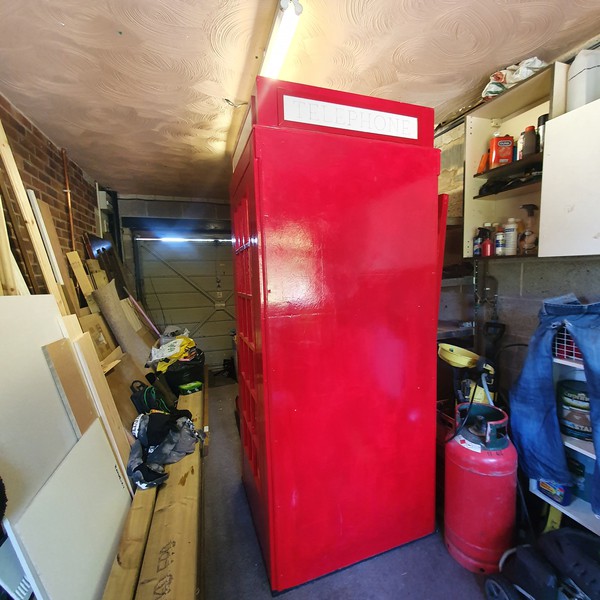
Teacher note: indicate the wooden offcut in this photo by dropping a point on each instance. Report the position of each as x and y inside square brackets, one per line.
[100, 333]
[34, 233]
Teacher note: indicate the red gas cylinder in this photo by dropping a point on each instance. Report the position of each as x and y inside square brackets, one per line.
[480, 488]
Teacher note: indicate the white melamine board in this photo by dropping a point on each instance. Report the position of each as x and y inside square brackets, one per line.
[35, 430]
[71, 530]
[570, 215]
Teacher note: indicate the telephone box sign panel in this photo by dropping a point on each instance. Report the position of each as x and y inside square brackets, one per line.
[352, 118]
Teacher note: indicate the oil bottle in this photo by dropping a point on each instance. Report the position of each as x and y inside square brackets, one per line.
[528, 240]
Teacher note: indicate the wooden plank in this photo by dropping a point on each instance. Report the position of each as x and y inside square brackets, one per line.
[103, 339]
[82, 279]
[130, 314]
[38, 246]
[9, 285]
[69, 287]
[105, 405]
[71, 384]
[125, 571]
[33, 201]
[170, 567]
[71, 530]
[36, 431]
[22, 288]
[99, 278]
[21, 237]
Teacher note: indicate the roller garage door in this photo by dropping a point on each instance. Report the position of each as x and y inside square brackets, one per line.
[190, 284]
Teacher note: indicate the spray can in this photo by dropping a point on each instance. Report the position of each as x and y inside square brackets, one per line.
[487, 249]
[510, 232]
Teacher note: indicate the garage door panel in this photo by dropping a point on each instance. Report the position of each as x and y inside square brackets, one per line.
[177, 284]
[171, 272]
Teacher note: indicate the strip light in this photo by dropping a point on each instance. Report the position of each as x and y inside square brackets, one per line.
[179, 240]
[282, 34]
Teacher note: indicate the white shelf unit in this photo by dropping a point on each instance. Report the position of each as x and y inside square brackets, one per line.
[579, 510]
[507, 114]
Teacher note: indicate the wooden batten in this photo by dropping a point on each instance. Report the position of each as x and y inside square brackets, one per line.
[7, 277]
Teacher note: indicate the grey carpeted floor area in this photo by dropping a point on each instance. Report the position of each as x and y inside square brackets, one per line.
[233, 565]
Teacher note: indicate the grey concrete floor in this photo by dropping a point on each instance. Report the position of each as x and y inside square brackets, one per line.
[233, 565]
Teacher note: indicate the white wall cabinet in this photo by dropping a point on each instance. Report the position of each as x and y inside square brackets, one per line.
[508, 114]
[570, 219]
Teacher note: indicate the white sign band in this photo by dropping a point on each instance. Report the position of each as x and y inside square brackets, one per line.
[352, 118]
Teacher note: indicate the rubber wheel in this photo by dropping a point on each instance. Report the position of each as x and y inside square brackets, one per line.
[497, 587]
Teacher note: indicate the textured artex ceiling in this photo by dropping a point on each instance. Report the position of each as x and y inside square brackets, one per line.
[136, 89]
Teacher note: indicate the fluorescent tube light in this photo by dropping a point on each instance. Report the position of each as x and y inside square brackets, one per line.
[282, 34]
[179, 240]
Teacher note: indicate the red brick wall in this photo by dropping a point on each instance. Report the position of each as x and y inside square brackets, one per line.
[40, 164]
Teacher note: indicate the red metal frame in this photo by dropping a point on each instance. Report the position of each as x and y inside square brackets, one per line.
[337, 286]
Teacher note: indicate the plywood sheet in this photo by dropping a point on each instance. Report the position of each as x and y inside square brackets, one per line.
[71, 384]
[71, 530]
[105, 405]
[35, 430]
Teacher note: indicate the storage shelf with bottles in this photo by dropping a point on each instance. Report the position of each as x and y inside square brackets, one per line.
[568, 365]
[507, 114]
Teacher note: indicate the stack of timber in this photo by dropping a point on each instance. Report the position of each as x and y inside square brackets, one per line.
[161, 546]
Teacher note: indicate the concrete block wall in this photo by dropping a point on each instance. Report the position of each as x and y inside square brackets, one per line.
[523, 284]
[40, 165]
[452, 144]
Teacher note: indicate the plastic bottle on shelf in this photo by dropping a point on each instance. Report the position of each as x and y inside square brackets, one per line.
[520, 143]
[500, 241]
[530, 142]
[541, 129]
[510, 232]
[477, 239]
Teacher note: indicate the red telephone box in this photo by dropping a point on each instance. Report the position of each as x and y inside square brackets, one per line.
[336, 221]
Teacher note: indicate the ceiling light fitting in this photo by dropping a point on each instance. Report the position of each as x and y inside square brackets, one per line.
[282, 33]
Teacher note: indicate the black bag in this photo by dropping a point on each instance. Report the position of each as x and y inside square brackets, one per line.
[146, 398]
